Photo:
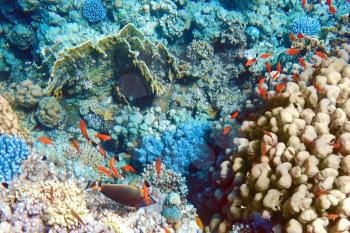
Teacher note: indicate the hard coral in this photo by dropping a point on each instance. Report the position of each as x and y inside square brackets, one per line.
[292, 159]
[306, 25]
[94, 11]
[12, 152]
[50, 113]
[8, 119]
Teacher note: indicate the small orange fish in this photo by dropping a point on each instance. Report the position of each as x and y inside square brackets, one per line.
[332, 216]
[318, 88]
[321, 55]
[267, 133]
[265, 55]
[76, 215]
[303, 3]
[300, 35]
[102, 151]
[45, 140]
[75, 144]
[263, 148]
[292, 51]
[295, 77]
[83, 129]
[146, 194]
[302, 62]
[104, 170]
[279, 68]
[250, 62]
[292, 37]
[129, 168]
[262, 89]
[158, 167]
[268, 67]
[335, 145]
[310, 7]
[166, 230]
[226, 130]
[322, 192]
[275, 75]
[114, 170]
[103, 137]
[280, 87]
[332, 10]
[234, 115]
[199, 223]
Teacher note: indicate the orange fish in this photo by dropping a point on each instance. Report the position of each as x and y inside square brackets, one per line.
[166, 230]
[267, 133]
[250, 62]
[158, 167]
[75, 144]
[146, 194]
[265, 55]
[310, 7]
[328, 2]
[322, 192]
[262, 89]
[332, 216]
[300, 35]
[280, 87]
[303, 3]
[302, 62]
[292, 37]
[332, 10]
[318, 88]
[295, 77]
[128, 168]
[234, 115]
[103, 137]
[83, 129]
[335, 145]
[263, 148]
[275, 75]
[104, 170]
[102, 151]
[45, 140]
[113, 169]
[321, 55]
[292, 51]
[268, 67]
[226, 130]
[279, 69]
[199, 223]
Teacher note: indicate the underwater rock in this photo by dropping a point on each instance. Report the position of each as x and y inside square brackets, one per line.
[121, 56]
[28, 5]
[50, 113]
[27, 94]
[21, 36]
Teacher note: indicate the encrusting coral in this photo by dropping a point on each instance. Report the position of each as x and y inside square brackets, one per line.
[8, 120]
[291, 165]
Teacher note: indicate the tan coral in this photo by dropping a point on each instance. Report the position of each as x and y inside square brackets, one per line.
[9, 123]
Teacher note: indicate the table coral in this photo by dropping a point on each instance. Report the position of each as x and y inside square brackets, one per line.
[287, 158]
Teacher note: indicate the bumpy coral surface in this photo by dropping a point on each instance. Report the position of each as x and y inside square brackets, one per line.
[292, 160]
[50, 113]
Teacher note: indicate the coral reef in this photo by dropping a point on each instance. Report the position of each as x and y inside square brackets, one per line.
[27, 94]
[8, 120]
[94, 11]
[298, 144]
[187, 145]
[12, 152]
[50, 112]
[306, 25]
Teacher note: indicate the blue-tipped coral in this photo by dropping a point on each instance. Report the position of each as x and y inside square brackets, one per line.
[306, 25]
[94, 11]
[12, 152]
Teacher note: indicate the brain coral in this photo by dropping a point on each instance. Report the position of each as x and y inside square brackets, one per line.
[12, 152]
[94, 11]
[306, 25]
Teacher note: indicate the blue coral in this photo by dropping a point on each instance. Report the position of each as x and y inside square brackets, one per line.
[12, 152]
[94, 11]
[306, 25]
[177, 149]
